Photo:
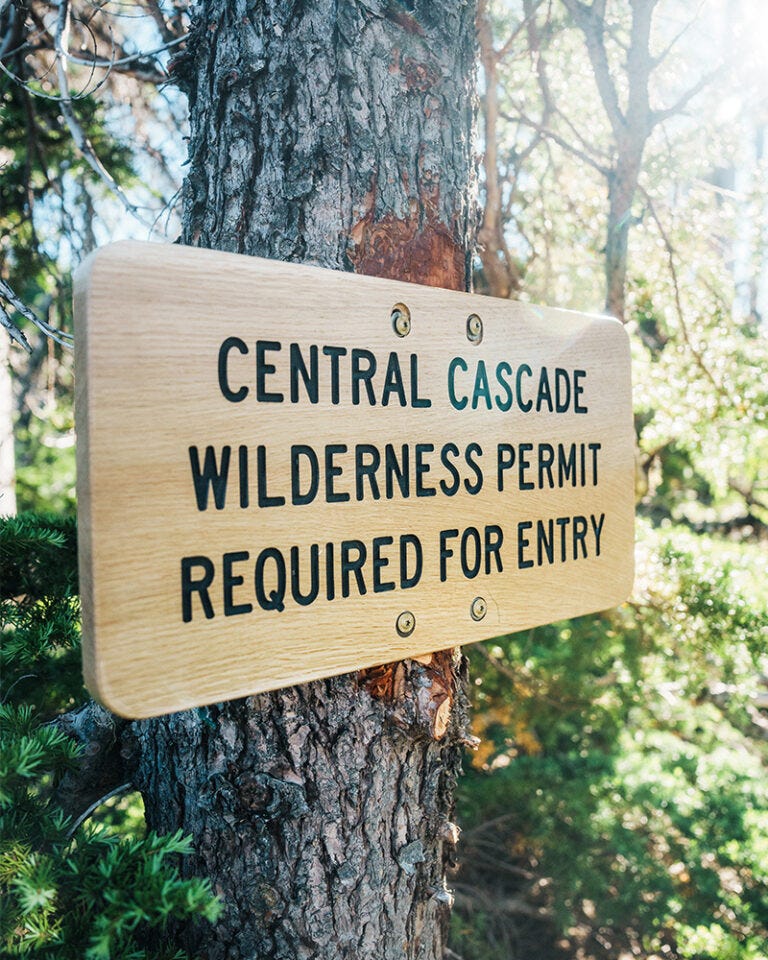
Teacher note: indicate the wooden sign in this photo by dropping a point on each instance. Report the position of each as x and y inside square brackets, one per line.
[288, 473]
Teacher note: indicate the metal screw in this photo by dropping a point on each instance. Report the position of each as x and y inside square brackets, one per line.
[401, 319]
[474, 328]
[478, 609]
[405, 623]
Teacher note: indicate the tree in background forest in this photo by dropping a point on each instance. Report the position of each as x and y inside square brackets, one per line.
[622, 763]
[617, 803]
[77, 134]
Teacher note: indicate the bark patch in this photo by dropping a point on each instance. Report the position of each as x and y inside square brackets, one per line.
[419, 693]
[411, 250]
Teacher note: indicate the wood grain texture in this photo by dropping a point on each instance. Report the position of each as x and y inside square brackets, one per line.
[150, 324]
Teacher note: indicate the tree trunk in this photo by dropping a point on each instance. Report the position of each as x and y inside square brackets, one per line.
[7, 457]
[631, 128]
[339, 134]
[501, 274]
[622, 187]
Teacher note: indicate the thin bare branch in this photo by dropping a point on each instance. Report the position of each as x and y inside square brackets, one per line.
[504, 51]
[661, 57]
[658, 116]
[670, 251]
[560, 141]
[9, 296]
[468, 898]
[122, 788]
[78, 134]
[132, 58]
[504, 670]
[747, 492]
[166, 29]
[13, 330]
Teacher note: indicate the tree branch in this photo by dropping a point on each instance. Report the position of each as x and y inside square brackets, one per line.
[560, 141]
[89, 811]
[529, 12]
[591, 22]
[501, 271]
[660, 58]
[658, 116]
[470, 898]
[535, 46]
[142, 60]
[78, 134]
[697, 355]
[13, 330]
[102, 766]
[166, 32]
[747, 493]
[7, 294]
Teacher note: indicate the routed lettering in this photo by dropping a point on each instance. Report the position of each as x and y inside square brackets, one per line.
[196, 584]
[471, 384]
[318, 373]
[272, 578]
[472, 552]
[558, 540]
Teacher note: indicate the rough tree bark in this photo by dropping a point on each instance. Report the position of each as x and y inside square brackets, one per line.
[336, 133]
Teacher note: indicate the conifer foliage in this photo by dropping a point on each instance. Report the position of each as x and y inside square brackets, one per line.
[69, 888]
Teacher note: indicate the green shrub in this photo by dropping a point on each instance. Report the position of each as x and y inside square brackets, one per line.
[625, 768]
[67, 890]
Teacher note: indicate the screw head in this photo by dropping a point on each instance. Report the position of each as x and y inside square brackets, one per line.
[474, 328]
[479, 608]
[405, 623]
[401, 319]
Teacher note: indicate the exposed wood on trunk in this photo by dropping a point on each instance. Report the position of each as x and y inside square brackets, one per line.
[419, 693]
[337, 134]
[315, 127]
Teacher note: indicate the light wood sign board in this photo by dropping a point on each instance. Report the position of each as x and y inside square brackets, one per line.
[287, 473]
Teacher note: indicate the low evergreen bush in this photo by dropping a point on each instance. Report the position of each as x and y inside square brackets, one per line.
[68, 889]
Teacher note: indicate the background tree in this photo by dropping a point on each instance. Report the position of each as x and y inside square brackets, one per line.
[80, 110]
[605, 740]
[623, 69]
